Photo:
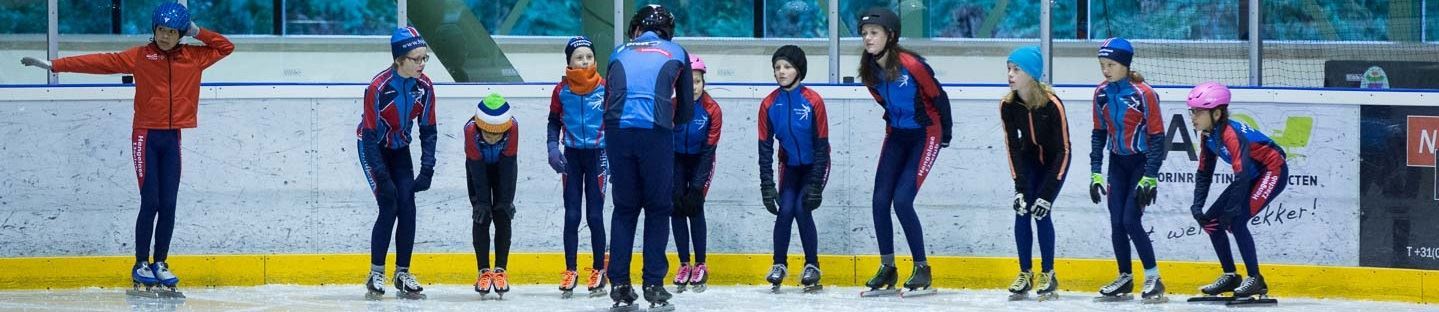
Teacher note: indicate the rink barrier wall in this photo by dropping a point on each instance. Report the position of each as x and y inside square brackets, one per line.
[543, 270]
[50, 255]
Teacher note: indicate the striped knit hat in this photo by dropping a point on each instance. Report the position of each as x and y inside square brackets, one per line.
[493, 114]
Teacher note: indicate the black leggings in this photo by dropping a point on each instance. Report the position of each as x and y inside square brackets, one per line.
[480, 233]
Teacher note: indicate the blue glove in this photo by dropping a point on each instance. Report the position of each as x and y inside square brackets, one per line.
[557, 159]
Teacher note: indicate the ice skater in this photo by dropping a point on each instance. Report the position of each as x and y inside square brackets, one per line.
[167, 96]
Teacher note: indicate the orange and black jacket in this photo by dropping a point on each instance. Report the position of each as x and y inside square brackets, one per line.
[1038, 142]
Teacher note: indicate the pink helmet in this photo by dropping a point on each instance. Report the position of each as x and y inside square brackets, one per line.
[1209, 95]
[697, 64]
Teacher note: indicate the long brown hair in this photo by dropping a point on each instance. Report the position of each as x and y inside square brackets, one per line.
[1136, 76]
[1043, 90]
[867, 64]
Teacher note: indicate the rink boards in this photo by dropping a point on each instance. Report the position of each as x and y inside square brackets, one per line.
[272, 171]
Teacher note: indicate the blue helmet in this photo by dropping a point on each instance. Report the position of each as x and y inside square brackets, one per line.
[172, 15]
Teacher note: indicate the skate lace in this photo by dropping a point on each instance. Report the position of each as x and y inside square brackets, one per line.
[1218, 282]
[408, 280]
[144, 271]
[1150, 283]
[570, 277]
[502, 280]
[1247, 283]
[1020, 281]
[377, 280]
[811, 270]
[683, 275]
[698, 273]
[777, 270]
[162, 271]
[1044, 279]
[1117, 282]
[595, 276]
[485, 280]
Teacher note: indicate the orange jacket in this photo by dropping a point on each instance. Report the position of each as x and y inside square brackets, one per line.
[167, 84]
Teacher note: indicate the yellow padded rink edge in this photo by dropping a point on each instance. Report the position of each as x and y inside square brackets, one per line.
[1082, 275]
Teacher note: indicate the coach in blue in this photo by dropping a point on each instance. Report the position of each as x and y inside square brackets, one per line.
[640, 113]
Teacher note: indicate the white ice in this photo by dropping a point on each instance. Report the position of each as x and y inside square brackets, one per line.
[542, 298]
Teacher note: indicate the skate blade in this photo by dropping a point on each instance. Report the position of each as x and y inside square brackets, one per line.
[1253, 302]
[813, 289]
[1047, 296]
[661, 308]
[411, 296]
[170, 294]
[1018, 296]
[1154, 300]
[1210, 299]
[567, 294]
[1116, 298]
[598, 293]
[142, 293]
[879, 293]
[679, 288]
[624, 308]
[918, 293]
[700, 288]
[374, 296]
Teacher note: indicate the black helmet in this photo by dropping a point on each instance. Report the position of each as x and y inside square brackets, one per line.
[795, 56]
[882, 17]
[655, 18]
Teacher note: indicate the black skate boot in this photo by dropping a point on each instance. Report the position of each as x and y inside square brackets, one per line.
[1048, 287]
[624, 297]
[1019, 289]
[1214, 292]
[1153, 290]
[776, 276]
[658, 297]
[882, 284]
[918, 283]
[1118, 290]
[407, 287]
[1253, 291]
[375, 285]
[810, 278]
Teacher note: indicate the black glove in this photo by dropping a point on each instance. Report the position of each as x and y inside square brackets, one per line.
[1207, 223]
[1146, 191]
[1096, 187]
[770, 197]
[422, 182]
[813, 196]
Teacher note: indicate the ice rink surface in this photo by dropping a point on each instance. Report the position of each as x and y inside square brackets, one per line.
[537, 298]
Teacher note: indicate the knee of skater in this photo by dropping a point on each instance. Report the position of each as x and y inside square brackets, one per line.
[1133, 225]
